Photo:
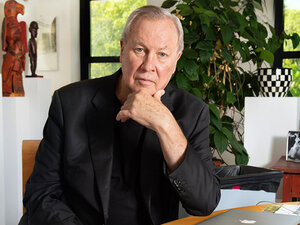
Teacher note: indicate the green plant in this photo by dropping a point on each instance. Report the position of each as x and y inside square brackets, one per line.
[220, 36]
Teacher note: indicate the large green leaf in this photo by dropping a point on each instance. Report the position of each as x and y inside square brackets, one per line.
[245, 53]
[211, 129]
[190, 53]
[236, 45]
[295, 40]
[204, 45]
[241, 159]
[241, 155]
[204, 12]
[182, 81]
[230, 98]
[233, 141]
[227, 122]
[216, 122]
[180, 63]
[220, 141]
[205, 56]
[267, 56]
[191, 70]
[257, 6]
[185, 9]
[210, 35]
[191, 38]
[168, 4]
[242, 22]
[214, 109]
[227, 33]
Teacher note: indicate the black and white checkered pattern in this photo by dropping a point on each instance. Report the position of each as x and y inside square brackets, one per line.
[274, 82]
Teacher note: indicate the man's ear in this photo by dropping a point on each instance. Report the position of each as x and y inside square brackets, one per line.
[179, 55]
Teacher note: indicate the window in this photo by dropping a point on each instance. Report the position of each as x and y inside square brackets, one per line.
[101, 26]
[287, 18]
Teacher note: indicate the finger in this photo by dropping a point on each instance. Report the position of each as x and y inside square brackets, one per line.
[158, 94]
[123, 116]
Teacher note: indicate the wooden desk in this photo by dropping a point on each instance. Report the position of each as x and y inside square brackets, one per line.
[192, 220]
[291, 178]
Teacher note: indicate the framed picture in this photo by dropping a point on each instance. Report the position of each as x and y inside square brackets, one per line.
[47, 48]
[293, 146]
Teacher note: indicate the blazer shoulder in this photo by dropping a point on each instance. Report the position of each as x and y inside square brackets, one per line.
[88, 87]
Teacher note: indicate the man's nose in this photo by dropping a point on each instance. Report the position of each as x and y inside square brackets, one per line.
[149, 62]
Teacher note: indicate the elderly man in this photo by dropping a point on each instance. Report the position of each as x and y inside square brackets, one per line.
[125, 149]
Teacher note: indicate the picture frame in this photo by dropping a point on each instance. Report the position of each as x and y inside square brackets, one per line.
[47, 45]
[293, 146]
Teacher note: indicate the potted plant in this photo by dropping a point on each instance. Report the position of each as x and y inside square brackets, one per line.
[220, 36]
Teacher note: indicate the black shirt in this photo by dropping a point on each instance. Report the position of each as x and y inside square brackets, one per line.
[126, 204]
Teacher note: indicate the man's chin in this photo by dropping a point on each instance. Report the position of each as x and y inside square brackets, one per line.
[150, 91]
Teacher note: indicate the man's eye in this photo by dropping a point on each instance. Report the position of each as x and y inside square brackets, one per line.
[161, 54]
[139, 50]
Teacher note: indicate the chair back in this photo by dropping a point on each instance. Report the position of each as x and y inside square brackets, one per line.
[29, 148]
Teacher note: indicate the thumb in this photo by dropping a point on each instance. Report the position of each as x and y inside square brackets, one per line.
[158, 94]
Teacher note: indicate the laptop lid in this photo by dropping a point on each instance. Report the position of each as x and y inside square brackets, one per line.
[244, 217]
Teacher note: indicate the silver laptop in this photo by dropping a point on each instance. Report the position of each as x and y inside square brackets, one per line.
[243, 217]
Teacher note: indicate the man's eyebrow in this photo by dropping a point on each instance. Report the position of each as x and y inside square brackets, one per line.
[140, 43]
[160, 49]
[163, 48]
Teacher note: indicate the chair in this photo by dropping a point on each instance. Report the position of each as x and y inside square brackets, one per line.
[29, 148]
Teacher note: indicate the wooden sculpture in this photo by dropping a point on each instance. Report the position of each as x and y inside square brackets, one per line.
[14, 43]
[33, 29]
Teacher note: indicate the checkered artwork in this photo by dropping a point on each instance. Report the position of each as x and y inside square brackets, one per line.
[274, 82]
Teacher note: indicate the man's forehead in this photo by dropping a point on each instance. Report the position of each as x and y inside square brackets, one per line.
[161, 20]
[160, 25]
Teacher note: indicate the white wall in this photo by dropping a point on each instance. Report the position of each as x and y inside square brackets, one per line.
[155, 2]
[2, 185]
[267, 123]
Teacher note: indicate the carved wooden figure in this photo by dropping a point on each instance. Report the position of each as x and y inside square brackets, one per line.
[15, 44]
[33, 29]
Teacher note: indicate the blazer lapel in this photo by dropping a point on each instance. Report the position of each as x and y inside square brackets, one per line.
[152, 166]
[100, 121]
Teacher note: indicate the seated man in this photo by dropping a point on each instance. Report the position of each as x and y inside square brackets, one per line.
[125, 149]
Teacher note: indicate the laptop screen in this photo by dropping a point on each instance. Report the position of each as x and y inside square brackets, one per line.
[244, 217]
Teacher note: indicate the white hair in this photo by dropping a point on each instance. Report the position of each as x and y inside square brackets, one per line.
[155, 13]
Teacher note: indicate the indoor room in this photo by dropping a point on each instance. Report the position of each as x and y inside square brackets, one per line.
[237, 75]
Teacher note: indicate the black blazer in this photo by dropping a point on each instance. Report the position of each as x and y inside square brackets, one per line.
[70, 182]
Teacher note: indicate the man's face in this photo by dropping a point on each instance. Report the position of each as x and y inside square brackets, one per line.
[149, 57]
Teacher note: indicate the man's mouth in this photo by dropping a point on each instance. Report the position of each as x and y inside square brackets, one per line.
[145, 81]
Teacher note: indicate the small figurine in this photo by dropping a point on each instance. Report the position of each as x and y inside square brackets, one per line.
[33, 29]
[15, 44]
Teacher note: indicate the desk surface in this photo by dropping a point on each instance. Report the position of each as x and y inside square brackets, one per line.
[192, 220]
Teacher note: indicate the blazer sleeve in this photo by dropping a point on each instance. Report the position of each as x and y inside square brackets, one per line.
[194, 180]
[44, 197]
